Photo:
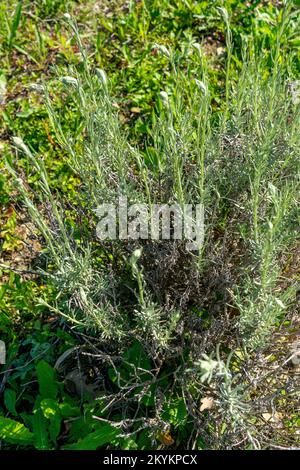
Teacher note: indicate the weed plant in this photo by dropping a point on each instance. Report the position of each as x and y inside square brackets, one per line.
[177, 328]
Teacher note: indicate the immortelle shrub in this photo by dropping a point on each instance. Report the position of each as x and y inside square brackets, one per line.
[202, 321]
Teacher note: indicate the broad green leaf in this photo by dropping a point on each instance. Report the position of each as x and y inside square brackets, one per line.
[128, 444]
[47, 380]
[54, 427]
[41, 441]
[175, 412]
[14, 432]
[95, 439]
[144, 441]
[15, 23]
[67, 410]
[51, 411]
[49, 407]
[80, 428]
[10, 401]
[135, 356]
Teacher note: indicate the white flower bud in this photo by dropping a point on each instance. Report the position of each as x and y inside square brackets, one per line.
[19, 181]
[2, 89]
[197, 46]
[279, 303]
[163, 49]
[224, 13]
[164, 97]
[69, 81]
[201, 86]
[18, 142]
[102, 76]
[36, 87]
[136, 255]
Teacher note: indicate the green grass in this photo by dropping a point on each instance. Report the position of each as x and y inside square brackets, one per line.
[227, 137]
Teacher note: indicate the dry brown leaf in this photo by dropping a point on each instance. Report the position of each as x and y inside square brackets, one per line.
[272, 418]
[166, 438]
[207, 403]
